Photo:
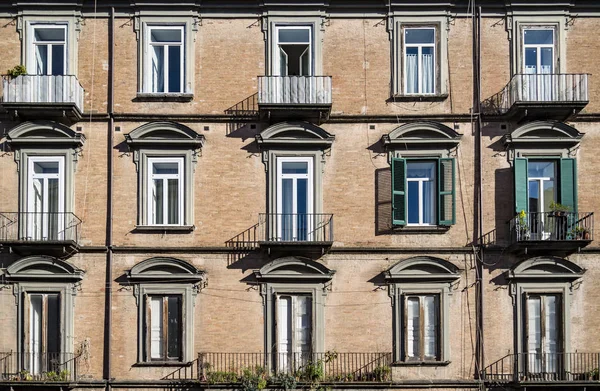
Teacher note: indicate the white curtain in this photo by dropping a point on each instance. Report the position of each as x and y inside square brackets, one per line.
[412, 327]
[430, 325]
[428, 74]
[412, 74]
[534, 334]
[156, 327]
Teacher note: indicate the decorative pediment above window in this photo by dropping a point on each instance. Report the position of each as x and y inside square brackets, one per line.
[545, 269]
[294, 269]
[422, 269]
[544, 134]
[164, 134]
[420, 136]
[165, 270]
[295, 135]
[43, 267]
[44, 133]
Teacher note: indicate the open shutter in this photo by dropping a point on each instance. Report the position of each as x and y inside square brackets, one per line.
[446, 193]
[398, 191]
[568, 183]
[521, 185]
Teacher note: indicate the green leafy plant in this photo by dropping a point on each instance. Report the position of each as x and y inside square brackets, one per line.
[253, 379]
[214, 377]
[382, 373]
[25, 375]
[287, 381]
[18, 70]
[594, 374]
[558, 207]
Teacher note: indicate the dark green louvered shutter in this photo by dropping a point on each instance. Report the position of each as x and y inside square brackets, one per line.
[446, 193]
[398, 191]
[568, 183]
[521, 185]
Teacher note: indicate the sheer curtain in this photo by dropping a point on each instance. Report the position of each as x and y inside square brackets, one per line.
[412, 74]
[428, 74]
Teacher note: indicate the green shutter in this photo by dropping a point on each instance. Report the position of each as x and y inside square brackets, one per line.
[398, 191]
[568, 183]
[521, 185]
[446, 193]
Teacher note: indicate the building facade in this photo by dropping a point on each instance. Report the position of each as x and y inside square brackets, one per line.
[282, 194]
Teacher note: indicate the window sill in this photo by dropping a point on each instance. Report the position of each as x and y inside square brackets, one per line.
[418, 97]
[433, 229]
[162, 364]
[164, 228]
[421, 364]
[163, 97]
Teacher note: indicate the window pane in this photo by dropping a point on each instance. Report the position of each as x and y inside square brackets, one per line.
[156, 327]
[413, 323]
[302, 209]
[534, 325]
[45, 167]
[531, 60]
[165, 35]
[424, 170]
[416, 36]
[305, 63]
[175, 69]
[539, 169]
[165, 168]
[58, 59]
[173, 202]
[539, 37]
[294, 35]
[52, 217]
[430, 323]
[547, 60]
[41, 59]
[412, 70]
[552, 328]
[49, 34]
[158, 72]
[428, 67]
[287, 205]
[303, 319]
[294, 167]
[53, 332]
[174, 327]
[35, 324]
[428, 201]
[534, 196]
[157, 200]
[413, 202]
[296, 57]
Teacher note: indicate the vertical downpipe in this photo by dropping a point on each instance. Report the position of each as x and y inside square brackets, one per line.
[109, 204]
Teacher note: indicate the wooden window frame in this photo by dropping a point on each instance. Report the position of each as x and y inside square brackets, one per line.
[438, 335]
[165, 330]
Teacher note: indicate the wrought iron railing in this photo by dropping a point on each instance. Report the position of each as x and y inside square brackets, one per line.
[556, 226]
[39, 226]
[329, 367]
[556, 87]
[295, 227]
[543, 367]
[43, 89]
[301, 90]
[46, 367]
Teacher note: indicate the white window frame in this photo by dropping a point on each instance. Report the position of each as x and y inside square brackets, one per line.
[309, 176]
[149, 77]
[277, 49]
[31, 63]
[149, 320]
[31, 176]
[539, 47]
[420, 192]
[421, 336]
[543, 364]
[419, 47]
[296, 354]
[150, 188]
[38, 352]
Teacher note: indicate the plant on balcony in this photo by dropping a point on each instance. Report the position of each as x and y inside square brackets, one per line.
[57, 376]
[18, 70]
[382, 373]
[580, 232]
[594, 374]
[253, 379]
[558, 209]
[522, 226]
[285, 380]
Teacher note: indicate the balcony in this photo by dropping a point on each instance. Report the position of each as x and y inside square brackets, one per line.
[306, 98]
[540, 96]
[50, 233]
[547, 368]
[560, 232]
[292, 368]
[38, 367]
[58, 98]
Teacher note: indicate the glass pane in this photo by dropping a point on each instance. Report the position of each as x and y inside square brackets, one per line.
[413, 332]
[305, 63]
[41, 59]
[428, 201]
[165, 35]
[173, 201]
[287, 208]
[541, 169]
[303, 319]
[539, 37]
[294, 35]
[158, 201]
[430, 324]
[58, 59]
[52, 215]
[413, 202]
[294, 168]
[45, 167]
[158, 73]
[531, 60]
[35, 333]
[49, 34]
[156, 327]
[53, 332]
[165, 168]
[173, 327]
[412, 70]
[551, 332]
[424, 170]
[427, 70]
[547, 60]
[302, 209]
[419, 36]
[175, 69]
[534, 196]
[534, 333]
[295, 57]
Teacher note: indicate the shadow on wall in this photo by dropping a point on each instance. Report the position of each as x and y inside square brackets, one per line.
[242, 113]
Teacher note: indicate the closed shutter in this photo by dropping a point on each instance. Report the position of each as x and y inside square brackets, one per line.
[446, 193]
[398, 191]
[568, 183]
[521, 185]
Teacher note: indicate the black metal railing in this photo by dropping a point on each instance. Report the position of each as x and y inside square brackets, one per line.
[295, 227]
[46, 367]
[553, 226]
[328, 367]
[543, 367]
[39, 226]
[302, 90]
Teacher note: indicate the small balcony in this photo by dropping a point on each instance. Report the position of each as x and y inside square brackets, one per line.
[306, 98]
[540, 96]
[531, 368]
[51, 233]
[58, 97]
[297, 368]
[560, 232]
[38, 367]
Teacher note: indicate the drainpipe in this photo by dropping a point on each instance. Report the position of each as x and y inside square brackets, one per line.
[109, 204]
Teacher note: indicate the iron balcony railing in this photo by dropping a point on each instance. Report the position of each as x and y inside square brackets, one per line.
[294, 90]
[329, 367]
[532, 88]
[543, 367]
[553, 226]
[46, 367]
[295, 227]
[43, 89]
[39, 227]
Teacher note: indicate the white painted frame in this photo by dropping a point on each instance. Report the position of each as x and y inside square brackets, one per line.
[420, 47]
[276, 49]
[149, 77]
[539, 47]
[309, 198]
[32, 44]
[31, 175]
[180, 187]
[420, 195]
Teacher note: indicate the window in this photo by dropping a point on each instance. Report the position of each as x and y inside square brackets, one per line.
[422, 327]
[49, 49]
[294, 198]
[163, 327]
[543, 325]
[294, 328]
[423, 192]
[45, 198]
[43, 330]
[294, 47]
[165, 68]
[538, 50]
[165, 191]
[419, 60]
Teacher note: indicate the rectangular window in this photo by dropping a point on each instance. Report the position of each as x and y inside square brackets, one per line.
[163, 328]
[294, 330]
[165, 59]
[42, 332]
[423, 192]
[294, 199]
[44, 219]
[419, 60]
[293, 51]
[165, 191]
[543, 332]
[49, 49]
[422, 328]
[538, 63]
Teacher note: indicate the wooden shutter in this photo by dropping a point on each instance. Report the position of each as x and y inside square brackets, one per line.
[521, 185]
[446, 193]
[568, 183]
[398, 191]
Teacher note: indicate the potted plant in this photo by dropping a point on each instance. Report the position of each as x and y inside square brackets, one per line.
[558, 209]
[18, 70]
[522, 226]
